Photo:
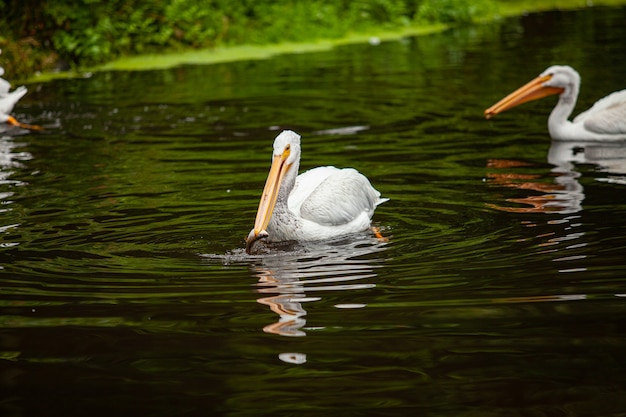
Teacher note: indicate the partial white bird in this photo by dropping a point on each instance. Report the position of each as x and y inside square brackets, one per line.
[7, 102]
[322, 203]
[604, 121]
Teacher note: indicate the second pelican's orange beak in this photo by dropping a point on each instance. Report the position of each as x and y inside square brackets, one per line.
[533, 90]
[268, 199]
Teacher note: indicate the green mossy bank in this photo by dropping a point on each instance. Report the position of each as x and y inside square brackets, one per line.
[41, 40]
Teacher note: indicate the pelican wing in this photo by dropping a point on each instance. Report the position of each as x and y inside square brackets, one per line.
[306, 183]
[606, 116]
[342, 196]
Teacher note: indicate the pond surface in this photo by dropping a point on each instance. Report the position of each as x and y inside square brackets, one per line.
[500, 290]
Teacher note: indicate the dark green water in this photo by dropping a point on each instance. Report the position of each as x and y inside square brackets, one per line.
[124, 288]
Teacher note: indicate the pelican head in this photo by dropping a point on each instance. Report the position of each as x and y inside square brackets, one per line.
[280, 181]
[557, 79]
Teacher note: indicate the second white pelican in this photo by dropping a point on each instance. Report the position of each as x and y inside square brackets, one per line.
[321, 203]
[8, 101]
[604, 121]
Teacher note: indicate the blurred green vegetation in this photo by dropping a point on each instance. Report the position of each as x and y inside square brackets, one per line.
[44, 35]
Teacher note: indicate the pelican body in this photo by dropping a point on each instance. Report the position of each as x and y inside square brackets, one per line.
[604, 121]
[322, 203]
[8, 101]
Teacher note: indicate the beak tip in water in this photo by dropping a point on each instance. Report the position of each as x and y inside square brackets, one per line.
[253, 236]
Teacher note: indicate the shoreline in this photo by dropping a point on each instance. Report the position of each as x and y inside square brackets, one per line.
[223, 54]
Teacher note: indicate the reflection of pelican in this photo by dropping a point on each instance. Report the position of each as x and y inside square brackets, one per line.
[606, 120]
[608, 157]
[563, 193]
[8, 101]
[322, 203]
[286, 279]
[559, 192]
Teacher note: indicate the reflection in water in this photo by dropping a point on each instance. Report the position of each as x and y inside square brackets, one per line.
[542, 298]
[8, 157]
[9, 160]
[560, 191]
[608, 157]
[292, 357]
[285, 279]
[563, 194]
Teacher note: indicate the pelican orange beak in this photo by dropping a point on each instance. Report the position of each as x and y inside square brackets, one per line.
[533, 90]
[268, 199]
[13, 121]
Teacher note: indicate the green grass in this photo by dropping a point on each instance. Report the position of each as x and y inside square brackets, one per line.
[517, 7]
[228, 53]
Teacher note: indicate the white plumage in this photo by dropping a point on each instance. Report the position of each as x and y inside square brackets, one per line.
[604, 121]
[321, 203]
[8, 101]
[5, 86]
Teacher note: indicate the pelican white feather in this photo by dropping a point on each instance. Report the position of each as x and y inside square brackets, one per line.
[5, 86]
[604, 121]
[8, 101]
[320, 204]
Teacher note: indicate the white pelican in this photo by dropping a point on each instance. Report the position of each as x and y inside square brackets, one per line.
[604, 121]
[321, 203]
[8, 101]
